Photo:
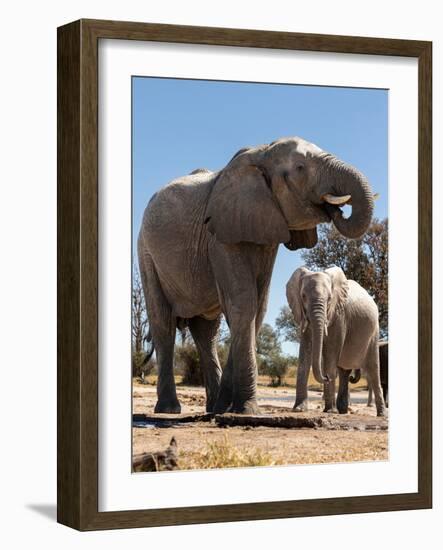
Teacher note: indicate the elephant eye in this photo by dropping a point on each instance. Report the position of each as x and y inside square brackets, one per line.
[300, 167]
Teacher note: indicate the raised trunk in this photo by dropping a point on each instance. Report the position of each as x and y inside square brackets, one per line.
[342, 179]
[317, 328]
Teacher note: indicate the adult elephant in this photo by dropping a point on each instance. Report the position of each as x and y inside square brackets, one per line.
[339, 325]
[207, 247]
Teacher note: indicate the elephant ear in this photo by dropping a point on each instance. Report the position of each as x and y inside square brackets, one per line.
[340, 288]
[293, 295]
[242, 208]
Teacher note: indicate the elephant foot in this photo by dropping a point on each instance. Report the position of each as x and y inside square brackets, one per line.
[212, 397]
[330, 410]
[171, 406]
[224, 400]
[221, 406]
[248, 407]
[211, 406]
[302, 406]
[342, 408]
[381, 412]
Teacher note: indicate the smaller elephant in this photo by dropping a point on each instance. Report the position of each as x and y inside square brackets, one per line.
[383, 352]
[339, 325]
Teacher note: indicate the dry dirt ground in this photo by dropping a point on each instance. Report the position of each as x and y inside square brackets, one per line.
[206, 445]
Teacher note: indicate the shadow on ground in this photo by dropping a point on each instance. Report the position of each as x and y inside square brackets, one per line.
[48, 511]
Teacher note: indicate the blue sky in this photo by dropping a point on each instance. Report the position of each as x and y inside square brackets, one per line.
[180, 125]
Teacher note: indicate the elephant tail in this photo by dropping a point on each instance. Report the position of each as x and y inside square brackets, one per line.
[355, 376]
[151, 351]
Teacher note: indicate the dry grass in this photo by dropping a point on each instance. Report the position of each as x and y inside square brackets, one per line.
[203, 446]
[223, 454]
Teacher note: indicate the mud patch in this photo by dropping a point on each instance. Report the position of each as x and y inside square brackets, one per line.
[305, 420]
[161, 420]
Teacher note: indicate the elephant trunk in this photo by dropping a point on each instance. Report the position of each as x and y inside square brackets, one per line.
[355, 376]
[317, 328]
[346, 180]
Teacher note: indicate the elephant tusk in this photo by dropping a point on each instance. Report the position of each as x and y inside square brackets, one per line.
[375, 196]
[334, 199]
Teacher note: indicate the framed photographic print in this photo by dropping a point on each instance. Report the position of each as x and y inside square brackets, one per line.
[244, 275]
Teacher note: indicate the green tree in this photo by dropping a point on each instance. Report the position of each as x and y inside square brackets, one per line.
[270, 359]
[287, 328]
[364, 260]
[267, 341]
[276, 366]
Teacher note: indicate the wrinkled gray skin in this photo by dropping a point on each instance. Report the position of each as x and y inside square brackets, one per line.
[339, 324]
[207, 246]
[383, 353]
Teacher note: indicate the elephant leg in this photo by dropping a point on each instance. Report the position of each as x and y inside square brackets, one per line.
[239, 297]
[225, 394]
[167, 401]
[241, 370]
[373, 375]
[343, 390]
[330, 361]
[162, 325]
[244, 376]
[238, 384]
[385, 394]
[370, 396]
[301, 396]
[329, 391]
[204, 333]
[383, 355]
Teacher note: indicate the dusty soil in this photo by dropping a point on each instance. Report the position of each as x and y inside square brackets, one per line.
[271, 445]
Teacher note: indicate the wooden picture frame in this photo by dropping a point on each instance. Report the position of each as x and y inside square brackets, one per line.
[77, 173]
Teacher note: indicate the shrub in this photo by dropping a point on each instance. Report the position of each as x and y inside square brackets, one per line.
[139, 370]
[275, 365]
[187, 359]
